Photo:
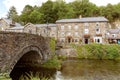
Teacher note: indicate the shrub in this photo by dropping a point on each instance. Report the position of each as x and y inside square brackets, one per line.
[98, 51]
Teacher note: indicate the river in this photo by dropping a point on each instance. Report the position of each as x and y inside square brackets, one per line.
[84, 70]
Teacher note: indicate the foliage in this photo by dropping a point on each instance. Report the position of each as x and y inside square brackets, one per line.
[52, 45]
[50, 11]
[12, 14]
[98, 51]
[32, 77]
[4, 76]
[53, 62]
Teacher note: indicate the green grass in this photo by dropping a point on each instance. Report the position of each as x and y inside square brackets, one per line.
[53, 62]
[32, 77]
[5, 76]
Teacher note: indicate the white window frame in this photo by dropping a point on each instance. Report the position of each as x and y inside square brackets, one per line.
[68, 33]
[69, 27]
[114, 35]
[98, 32]
[86, 31]
[76, 33]
[76, 27]
[96, 39]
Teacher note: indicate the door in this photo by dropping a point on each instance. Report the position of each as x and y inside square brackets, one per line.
[86, 41]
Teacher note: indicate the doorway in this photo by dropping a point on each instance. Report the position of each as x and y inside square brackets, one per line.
[69, 39]
[86, 40]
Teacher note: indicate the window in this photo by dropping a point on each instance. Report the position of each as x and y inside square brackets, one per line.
[2, 29]
[113, 35]
[76, 27]
[69, 27]
[86, 31]
[76, 33]
[68, 34]
[76, 40]
[62, 39]
[97, 30]
[98, 39]
[62, 27]
[62, 34]
[97, 24]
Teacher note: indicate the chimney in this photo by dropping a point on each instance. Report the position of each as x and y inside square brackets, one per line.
[80, 16]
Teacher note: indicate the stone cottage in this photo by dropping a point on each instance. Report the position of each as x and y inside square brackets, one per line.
[113, 36]
[7, 23]
[46, 30]
[82, 30]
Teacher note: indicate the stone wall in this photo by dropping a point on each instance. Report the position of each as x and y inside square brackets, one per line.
[14, 45]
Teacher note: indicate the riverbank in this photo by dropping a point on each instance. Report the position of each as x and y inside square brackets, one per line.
[97, 51]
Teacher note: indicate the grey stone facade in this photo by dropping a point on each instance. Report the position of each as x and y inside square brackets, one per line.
[84, 30]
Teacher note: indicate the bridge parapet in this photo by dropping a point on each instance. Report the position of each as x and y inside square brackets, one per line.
[14, 45]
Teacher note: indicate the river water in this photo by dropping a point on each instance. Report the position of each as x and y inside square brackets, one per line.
[89, 70]
[82, 70]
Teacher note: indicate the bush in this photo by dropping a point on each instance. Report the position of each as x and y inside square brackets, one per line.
[53, 62]
[52, 45]
[98, 51]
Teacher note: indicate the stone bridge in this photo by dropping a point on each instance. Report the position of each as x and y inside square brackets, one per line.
[21, 47]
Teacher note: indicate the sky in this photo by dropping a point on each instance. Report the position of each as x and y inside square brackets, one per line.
[20, 4]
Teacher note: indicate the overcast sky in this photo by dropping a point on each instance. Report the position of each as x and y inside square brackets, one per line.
[20, 4]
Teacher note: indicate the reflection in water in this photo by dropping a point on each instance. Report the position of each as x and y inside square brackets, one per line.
[91, 70]
[80, 70]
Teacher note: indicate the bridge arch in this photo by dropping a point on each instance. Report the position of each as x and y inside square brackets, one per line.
[27, 50]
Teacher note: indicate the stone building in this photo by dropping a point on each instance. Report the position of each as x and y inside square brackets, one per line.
[113, 36]
[82, 30]
[15, 29]
[30, 28]
[47, 30]
[7, 23]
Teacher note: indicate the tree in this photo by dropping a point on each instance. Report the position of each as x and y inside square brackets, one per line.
[47, 10]
[63, 10]
[12, 14]
[84, 8]
[25, 16]
[35, 17]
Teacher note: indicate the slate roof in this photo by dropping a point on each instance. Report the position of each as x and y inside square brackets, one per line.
[114, 31]
[87, 19]
[9, 21]
[16, 28]
[45, 25]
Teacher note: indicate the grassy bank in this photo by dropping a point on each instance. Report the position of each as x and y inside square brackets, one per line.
[53, 63]
[98, 51]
